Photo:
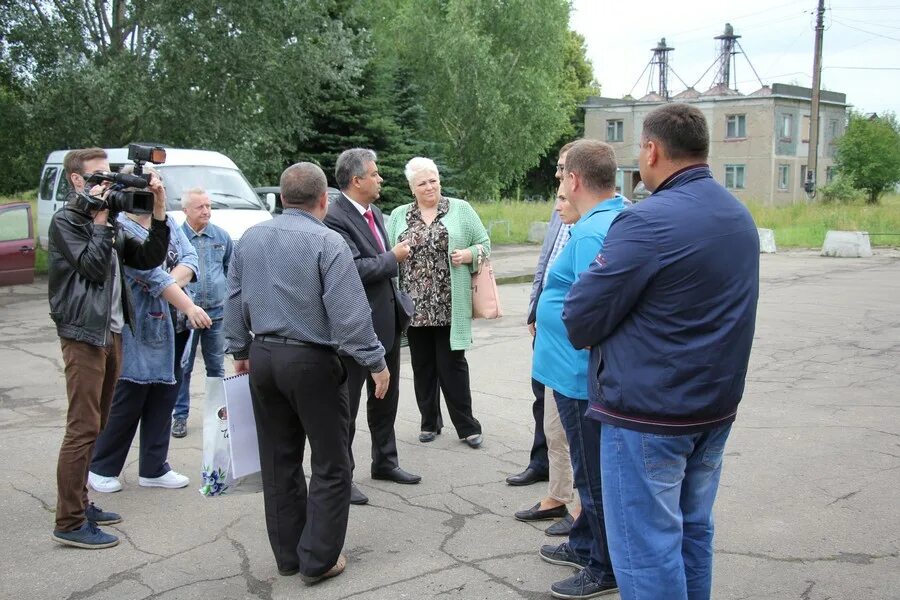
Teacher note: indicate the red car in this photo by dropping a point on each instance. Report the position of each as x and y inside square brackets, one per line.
[17, 244]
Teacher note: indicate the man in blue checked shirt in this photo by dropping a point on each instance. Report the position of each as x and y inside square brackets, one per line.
[294, 300]
[214, 247]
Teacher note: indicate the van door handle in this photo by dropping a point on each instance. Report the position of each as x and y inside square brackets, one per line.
[26, 249]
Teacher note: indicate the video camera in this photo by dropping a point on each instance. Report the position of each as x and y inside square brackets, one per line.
[119, 199]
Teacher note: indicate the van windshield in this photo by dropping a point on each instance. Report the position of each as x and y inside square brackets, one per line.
[227, 188]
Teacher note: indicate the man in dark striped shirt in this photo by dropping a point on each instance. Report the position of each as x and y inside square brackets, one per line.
[293, 284]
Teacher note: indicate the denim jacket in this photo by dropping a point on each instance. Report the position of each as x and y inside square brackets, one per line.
[148, 354]
[214, 247]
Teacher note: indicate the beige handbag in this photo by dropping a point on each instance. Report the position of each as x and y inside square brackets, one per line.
[485, 297]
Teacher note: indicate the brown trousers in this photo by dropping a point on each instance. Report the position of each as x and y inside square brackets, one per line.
[91, 375]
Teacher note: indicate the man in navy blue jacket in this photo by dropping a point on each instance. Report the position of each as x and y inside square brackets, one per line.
[671, 304]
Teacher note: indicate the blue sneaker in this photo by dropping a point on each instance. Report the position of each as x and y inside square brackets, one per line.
[562, 555]
[582, 585]
[99, 516]
[87, 536]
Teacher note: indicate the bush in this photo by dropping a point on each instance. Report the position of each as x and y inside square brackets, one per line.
[841, 190]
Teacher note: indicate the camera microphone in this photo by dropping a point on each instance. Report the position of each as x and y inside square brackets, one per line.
[125, 179]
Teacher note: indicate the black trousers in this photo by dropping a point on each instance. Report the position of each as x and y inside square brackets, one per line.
[437, 368]
[149, 404]
[538, 460]
[299, 393]
[380, 414]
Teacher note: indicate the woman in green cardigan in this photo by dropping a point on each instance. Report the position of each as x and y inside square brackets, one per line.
[448, 243]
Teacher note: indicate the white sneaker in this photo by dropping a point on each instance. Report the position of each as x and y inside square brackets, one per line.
[172, 480]
[104, 484]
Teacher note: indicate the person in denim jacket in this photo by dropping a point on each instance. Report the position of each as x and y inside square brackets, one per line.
[151, 366]
[214, 248]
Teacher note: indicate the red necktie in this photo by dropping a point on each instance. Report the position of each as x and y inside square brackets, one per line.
[370, 218]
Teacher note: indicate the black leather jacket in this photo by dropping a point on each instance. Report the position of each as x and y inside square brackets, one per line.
[81, 270]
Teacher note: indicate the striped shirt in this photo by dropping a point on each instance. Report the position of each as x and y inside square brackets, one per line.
[293, 277]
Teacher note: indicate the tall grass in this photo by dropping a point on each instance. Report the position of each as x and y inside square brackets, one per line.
[795, 225]
[804, 225]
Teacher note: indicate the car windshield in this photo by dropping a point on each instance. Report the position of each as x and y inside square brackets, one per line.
[227, 188]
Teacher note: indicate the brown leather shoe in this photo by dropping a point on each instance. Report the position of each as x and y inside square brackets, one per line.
[334, 571]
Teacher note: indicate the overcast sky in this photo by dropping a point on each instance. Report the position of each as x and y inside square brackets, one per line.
[778, 37]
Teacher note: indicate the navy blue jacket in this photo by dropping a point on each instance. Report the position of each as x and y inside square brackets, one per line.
[671, 302]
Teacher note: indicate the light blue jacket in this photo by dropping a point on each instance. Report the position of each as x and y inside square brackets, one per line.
[214, 248]
[149, 353]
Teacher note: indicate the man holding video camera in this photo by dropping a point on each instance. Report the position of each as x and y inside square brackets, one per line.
[90, 305]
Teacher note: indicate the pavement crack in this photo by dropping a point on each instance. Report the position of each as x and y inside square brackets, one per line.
[43, 504]
[855, 558]
[258, 587]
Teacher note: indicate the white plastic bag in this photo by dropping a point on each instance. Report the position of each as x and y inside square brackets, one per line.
[215, 469]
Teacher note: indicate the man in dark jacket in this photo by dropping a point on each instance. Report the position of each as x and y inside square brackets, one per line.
[355, 216]
[670, 303]
[90, 305]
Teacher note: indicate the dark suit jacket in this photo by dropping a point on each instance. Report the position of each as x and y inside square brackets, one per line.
[376, 269]
[541, 270]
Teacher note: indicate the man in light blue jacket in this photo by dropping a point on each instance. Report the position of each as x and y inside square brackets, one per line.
[214, 248]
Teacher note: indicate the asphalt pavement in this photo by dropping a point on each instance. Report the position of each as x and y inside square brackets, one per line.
[808, 505]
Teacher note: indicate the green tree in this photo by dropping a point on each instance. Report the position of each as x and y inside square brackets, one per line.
[488, 76]
[869, 154]
[578, 84]
[229, 75]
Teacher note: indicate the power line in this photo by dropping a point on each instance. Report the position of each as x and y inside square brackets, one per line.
[867, 68]
[881, 35]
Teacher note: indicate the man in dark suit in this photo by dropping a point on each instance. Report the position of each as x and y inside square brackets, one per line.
[360, 222]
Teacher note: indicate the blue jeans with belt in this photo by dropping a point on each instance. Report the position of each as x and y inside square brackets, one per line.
[658, 492]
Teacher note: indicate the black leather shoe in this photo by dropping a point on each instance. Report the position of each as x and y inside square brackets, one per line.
[397, 475]
[356, 496]
[561, 527]
[289, 572]
[527, 477]
[428, 436]
[536, 514]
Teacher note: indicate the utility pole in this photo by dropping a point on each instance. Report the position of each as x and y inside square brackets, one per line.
[813, 157]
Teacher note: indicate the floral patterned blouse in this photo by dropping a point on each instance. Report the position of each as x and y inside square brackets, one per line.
[425, 275]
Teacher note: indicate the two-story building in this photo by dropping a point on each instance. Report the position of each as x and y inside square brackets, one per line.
[759, 143]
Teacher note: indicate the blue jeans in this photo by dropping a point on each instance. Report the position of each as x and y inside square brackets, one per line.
[213, 348]
[588, 535]
[659, 491]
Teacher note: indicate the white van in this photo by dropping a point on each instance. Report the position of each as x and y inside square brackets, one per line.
[235, 205]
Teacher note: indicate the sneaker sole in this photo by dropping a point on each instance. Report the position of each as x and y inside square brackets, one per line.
[179, 435]
[106, 522]
[75, 544]
[582, 596]
[560, 561]
[106, 491]
[143, 483]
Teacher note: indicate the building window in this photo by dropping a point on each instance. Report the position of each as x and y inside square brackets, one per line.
[615, 130]
[829, 174]
[787, 127]
[736, 126]
[734, 177]
[802, 176]
[832, 126]
[805, 129]
[784, 176]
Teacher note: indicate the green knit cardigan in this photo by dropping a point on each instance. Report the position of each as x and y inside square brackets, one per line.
[465, 230]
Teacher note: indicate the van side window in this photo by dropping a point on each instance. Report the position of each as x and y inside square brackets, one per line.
[62, 190]
[47, 181]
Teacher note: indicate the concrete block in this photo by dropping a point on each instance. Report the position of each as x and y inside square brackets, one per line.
[767, 241]
[847, 244]
[537, 232]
